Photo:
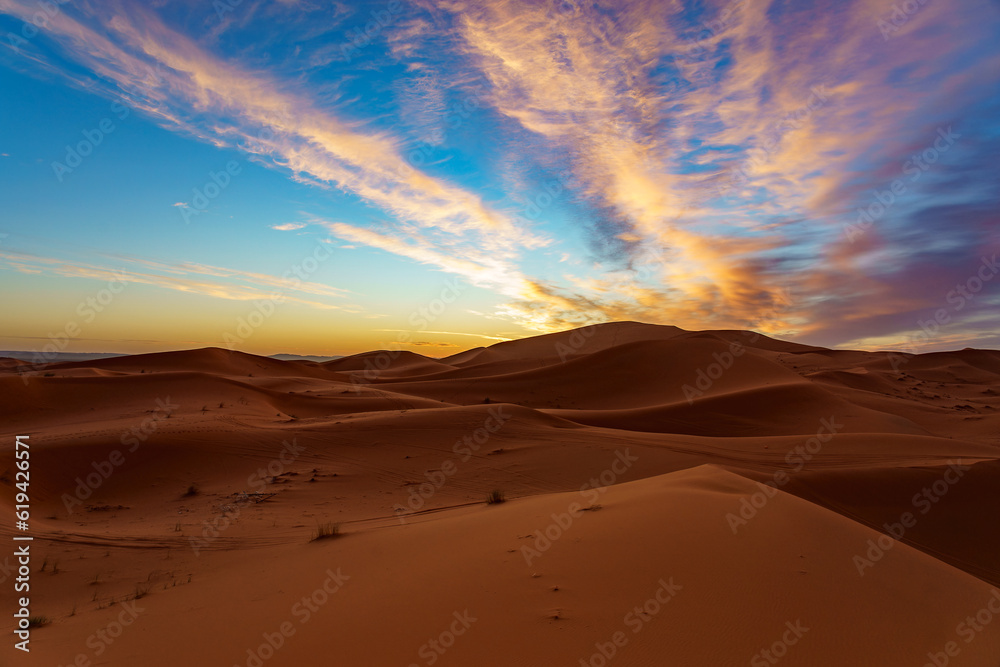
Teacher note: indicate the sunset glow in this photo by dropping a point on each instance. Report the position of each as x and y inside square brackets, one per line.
[327, 179]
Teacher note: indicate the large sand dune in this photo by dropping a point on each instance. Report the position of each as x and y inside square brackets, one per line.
[684, 498]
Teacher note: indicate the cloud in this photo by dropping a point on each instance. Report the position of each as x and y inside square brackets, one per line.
[193, 278]
[713, 154]
[535, 304]
[427, 344]
[451, 333]
[696, 137]
[167, 75]
[288, 226]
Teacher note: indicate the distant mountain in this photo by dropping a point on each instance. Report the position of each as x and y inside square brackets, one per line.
[37, 357]
[60, 357]
[304, 357]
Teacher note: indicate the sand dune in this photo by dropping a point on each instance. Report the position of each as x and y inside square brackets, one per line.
[634, 459]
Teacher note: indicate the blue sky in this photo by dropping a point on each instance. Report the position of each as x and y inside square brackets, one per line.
[708, 165]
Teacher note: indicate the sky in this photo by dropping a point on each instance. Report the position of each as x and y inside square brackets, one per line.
[331, 177]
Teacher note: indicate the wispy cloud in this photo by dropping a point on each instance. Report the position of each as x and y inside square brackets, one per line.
[696, 136]
[713, 153]
[171, 77]
[183, 277]
[449, 333]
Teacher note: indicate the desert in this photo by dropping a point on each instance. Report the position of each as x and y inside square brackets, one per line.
[817, 504]
[481, 333]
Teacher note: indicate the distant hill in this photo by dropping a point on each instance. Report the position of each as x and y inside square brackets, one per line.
[57, 357]
[90, 356]
[305, 357]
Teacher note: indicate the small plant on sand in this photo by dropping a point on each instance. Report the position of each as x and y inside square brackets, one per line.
[326, 530]
[495, 497]
[38, 621]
